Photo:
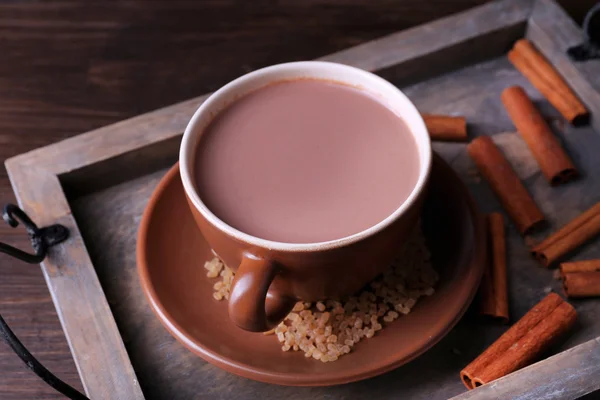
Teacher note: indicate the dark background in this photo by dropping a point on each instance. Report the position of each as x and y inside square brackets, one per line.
[67, 67]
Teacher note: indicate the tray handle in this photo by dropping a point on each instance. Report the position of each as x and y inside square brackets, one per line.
[41, 240]
[590, 48]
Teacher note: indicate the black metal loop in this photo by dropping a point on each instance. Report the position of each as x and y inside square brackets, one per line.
[590, 48]
[41, 240]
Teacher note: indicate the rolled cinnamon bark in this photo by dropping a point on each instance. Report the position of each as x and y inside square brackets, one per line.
[544, 77]
[582, 284]
[580, 266]
[505, 183]
[570, 227]
[568, 238]
[522, 343]
[494, 291]
[562, 247]
[547, 150]
[447, 128]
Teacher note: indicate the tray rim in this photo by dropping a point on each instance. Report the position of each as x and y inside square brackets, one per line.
[37, 179]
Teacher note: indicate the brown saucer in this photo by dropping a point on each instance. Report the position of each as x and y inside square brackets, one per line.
[171, 253]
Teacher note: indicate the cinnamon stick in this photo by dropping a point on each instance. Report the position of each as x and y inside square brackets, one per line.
[570, 227]
[494, 291]
[505, 183]
[568, 238]
[544, 77]
[444, 127]
[582, 284]
[547, 150]
[523, 343]
[580, 266]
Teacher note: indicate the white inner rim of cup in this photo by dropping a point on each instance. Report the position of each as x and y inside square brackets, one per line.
[384, 91]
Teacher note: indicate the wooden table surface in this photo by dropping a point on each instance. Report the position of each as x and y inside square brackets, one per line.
[72, 66]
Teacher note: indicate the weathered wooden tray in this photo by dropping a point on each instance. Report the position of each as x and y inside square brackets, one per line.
[97, 184]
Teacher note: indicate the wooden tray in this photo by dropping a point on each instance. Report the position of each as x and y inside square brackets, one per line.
[97, 184]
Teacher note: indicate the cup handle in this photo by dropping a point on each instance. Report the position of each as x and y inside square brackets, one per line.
[252, 305]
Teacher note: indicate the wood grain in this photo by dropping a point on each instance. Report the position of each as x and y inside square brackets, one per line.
[72, 66]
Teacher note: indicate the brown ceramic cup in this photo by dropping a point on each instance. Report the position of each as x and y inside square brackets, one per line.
[271, 276]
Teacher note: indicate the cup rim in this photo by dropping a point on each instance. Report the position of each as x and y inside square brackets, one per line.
[418, 129]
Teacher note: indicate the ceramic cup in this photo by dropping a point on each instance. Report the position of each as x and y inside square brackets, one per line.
[271, 276]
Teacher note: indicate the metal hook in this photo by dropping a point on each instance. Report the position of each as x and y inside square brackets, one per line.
[590, 48]
[41, 238]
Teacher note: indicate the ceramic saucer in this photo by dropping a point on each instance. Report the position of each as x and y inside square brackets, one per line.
[171, 253]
